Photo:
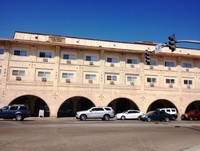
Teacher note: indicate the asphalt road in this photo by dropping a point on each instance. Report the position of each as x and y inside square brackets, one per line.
[68, 134]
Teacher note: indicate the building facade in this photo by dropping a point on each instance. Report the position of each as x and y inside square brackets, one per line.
[63, 75]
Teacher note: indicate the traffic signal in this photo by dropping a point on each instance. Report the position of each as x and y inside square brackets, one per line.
[148, 57]
[172, 43]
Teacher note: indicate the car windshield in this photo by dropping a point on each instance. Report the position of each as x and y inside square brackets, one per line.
[149, 112]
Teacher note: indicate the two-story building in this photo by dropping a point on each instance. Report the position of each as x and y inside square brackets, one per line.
[66, 74]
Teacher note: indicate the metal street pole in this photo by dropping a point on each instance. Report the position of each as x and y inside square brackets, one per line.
[188, 41]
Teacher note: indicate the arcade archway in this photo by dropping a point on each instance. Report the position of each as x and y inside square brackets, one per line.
[161, 103]
[195, 105]
[34, 103]
[70, 106]
[122, 104]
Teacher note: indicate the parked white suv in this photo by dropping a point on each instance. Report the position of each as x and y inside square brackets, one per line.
[104, 113]
[171, 111]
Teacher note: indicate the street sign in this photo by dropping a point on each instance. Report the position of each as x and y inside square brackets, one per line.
[158, 48]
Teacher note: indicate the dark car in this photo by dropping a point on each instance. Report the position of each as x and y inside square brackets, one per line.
[156, 116]
[19, 112]
[194, 114]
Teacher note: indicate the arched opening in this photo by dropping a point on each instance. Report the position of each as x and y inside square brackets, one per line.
[195, 105]
[34, 103]
[161, 103]
[70, 106]
[122, 104]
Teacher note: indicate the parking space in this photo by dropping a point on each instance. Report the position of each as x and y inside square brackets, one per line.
[71, 134]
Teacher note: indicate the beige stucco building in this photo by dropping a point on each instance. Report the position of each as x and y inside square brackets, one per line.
[66, 74]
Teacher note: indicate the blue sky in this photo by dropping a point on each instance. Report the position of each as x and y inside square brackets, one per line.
[117, 20]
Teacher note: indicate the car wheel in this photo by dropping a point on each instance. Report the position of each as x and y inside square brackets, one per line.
[19, 117]
[83, 117]
[166, 119]
[123, 118]
[190, 118]
[148, 119]
[106, 117]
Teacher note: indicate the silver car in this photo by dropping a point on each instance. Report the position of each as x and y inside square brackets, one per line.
[104, 113]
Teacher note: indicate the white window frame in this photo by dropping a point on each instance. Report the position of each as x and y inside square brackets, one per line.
[186, 63]
[68, 75]
[170, 62]
[2, 51]
[45, 74]
[19, 72]
[133, 61]
[70, 56]
[90, 76]
[22, 53]
[153, 62]
[188, 82]
[111, 77]
[152, 80]
[92, 58]
[47, 54]
[113, 60]
[170, 81]
[132, 79]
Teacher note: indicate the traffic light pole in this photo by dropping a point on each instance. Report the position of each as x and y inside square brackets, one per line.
[188, 41]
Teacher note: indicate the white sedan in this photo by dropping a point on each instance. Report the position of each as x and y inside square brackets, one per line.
[130, 114]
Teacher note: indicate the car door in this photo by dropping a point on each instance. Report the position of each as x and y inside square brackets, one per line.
[132, 114]
[13, 110]
[4, 112]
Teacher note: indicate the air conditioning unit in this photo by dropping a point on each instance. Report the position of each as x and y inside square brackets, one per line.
[132, 83]
[67, 80]
[68, 61]
[112, 64]
[91, 63]
[44, 79]
[45, 60]
[151, 84]
[112, 82]
[90, 81]
[18, 78]
[132, 66]
[187, 69]
[170, 85]
[151, 67]
[188, 86]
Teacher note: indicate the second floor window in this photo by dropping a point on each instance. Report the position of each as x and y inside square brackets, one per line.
[188, 82]
[187, 65]
[132, 61]
[131, 79]
[151, 80]
[112, 60]
[20, 52]
[169, 64]
[69, 56]
[90, 76]
[44, 74]
[68, 75]
[153, 62]
[45, 55]
[91, 58]
[18, 72]
[112, 78]
[1, 51]
[170, 81]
